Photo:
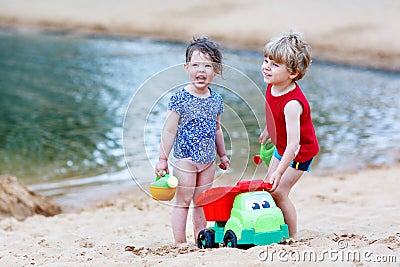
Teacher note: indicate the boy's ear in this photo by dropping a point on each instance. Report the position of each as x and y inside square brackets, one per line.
[294, 74]
[185, 66]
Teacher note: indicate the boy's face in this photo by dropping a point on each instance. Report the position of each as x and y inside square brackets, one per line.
[276, 73]
[200, 69]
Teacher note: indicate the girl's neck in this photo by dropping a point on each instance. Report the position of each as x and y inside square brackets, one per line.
[278, 90]
[198, 92]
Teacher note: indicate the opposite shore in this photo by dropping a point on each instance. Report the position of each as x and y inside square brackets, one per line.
[359, 33]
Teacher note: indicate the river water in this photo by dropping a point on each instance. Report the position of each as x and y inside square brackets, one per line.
[65, 97]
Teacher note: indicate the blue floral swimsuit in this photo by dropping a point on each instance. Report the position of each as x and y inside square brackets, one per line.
[197, 125]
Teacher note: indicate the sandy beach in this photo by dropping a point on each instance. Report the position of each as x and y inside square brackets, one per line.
[342, 213]
[349, 219]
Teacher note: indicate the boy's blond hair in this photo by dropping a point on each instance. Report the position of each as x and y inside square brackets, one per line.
[292, 50]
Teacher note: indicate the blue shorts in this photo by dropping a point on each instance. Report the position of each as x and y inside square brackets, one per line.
[302, 166]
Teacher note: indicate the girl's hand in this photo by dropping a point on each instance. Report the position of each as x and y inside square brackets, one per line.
[161, 168]
[225, 162]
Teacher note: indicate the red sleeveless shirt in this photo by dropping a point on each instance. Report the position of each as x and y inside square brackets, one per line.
[276, 124]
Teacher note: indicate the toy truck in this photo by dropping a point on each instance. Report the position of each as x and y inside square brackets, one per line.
[244, 215]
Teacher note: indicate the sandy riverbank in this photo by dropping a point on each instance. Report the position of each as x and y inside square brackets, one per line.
[358, 210]
[353, 32]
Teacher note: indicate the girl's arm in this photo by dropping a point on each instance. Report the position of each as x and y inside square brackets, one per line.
[167, 141]
[293, 110]
[220, 144]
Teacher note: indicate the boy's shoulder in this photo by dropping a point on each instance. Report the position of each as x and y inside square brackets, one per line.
[299, 90]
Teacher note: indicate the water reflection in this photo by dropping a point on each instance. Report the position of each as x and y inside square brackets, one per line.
[357, 115]
[59, 112]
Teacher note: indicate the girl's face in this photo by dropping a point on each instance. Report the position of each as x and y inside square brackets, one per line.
[201, 70]
[276, 73]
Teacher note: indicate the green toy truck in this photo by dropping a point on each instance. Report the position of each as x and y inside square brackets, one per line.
[244, 215]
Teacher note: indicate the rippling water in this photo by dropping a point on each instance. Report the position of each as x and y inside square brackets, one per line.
[64, 96]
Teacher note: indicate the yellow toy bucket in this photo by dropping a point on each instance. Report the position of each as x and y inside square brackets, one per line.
[164, 188]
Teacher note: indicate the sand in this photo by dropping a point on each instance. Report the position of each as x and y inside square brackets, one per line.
[346, 218]
[357, 210]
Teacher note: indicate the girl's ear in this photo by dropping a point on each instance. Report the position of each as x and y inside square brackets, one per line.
[185, 66]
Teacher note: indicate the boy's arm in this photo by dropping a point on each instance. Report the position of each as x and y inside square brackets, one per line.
[167, 141]
[293, 110]
[220, 144]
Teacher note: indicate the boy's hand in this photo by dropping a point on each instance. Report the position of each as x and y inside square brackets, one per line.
[225, 162]
[263, 137]
[274, 180]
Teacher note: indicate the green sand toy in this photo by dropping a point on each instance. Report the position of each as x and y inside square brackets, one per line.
[266, 152]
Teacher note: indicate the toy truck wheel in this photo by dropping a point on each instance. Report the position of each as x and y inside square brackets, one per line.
[230, 239]
[205, 239]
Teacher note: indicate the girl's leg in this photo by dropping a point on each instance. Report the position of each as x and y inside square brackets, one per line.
[205, 178]
[186, 172]
[281, 194]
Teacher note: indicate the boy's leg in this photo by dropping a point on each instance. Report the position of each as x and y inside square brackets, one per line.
[281, 194]
[205, 178]
[186, 172]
